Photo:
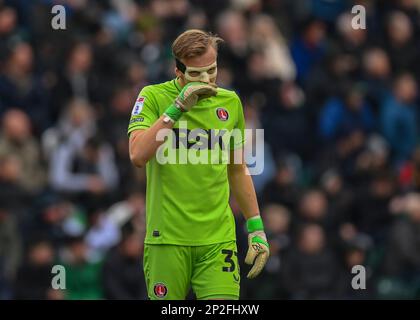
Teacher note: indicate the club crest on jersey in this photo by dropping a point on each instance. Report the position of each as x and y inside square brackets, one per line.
[222, 114]
[138, 106]
[160, 290]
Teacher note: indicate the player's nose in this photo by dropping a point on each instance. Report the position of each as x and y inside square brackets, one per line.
[204, 77]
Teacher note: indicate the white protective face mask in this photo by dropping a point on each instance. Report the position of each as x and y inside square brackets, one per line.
[205, 74]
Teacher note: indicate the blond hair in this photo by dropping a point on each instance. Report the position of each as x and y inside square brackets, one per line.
[193, 43]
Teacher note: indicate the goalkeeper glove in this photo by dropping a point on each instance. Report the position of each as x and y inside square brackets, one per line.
[188, 97]
[258, 248]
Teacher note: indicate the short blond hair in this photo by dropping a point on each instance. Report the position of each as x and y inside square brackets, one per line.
[194, 43]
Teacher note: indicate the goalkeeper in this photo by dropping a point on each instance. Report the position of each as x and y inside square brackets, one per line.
[190, 229]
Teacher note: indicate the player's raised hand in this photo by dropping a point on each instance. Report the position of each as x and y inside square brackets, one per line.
[258, 248]
[192, 93]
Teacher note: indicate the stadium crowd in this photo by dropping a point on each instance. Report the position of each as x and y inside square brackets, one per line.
[339, 106]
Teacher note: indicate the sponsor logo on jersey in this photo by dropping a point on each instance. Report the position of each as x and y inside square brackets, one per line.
[138, 106]
[160, 290]
[222, 114]
[200, 138]
[140, 119]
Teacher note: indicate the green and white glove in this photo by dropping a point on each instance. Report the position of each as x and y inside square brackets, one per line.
[258, 248]
[190, 94]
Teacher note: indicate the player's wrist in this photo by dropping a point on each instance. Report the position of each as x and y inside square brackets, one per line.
[173, 112]
[254, 224]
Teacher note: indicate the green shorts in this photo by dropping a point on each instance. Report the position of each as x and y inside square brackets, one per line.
[212, 271]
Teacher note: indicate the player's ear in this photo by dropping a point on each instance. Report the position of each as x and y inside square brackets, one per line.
[178, 72]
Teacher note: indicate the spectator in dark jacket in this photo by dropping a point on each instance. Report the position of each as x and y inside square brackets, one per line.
[283, 188]
[16, 139]
[403, 258]
[277, 224]
[311, 269]
[309, 48]
[21, 88]
[341, 117]
[10, 252]
[83, 272]
[399, 117]
[123, 271]
[33, 280]
[85, 171]
[401, 42]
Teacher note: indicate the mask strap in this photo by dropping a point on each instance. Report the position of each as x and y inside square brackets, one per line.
[180, 66]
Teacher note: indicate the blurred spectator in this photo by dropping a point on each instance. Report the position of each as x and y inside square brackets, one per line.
[339, 197]
[325, 81]
[409, 175]
[76, 124]
[283, 188]
[17, 140]
[21, 88]
[102, 234]
[401, 43]
[371, 212]
[310, 269]
[131, 210]
[233, 28]
[343, 116]
[277, 222]
[314, 208]
[265, 36]
[399, 117]
[8, 18]
[10, 252]
[377, 76]
[136, 77]
[328, 10]
[89, 169]
[76, 80]
[402, 262]
[34, 277]
[309, 48]
[285, 121]
[12, 194]
[355, 254]
[351, 42]
[278, 219]
[120, 106]
[54, 218]
[123, 271]
[411, 9]
[374, 158]
[258, 154]
[403, 250]
[83, 277]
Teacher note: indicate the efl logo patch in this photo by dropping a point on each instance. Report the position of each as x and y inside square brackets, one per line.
[138, 106]
[160, 290]
[222, 114]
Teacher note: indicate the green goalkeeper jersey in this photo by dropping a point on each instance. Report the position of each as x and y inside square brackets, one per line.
[187, 200]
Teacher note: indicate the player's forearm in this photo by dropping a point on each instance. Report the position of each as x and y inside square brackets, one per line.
[243, 190]
[143, 143]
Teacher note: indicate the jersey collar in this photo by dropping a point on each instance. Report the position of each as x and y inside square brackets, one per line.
[177, 84]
